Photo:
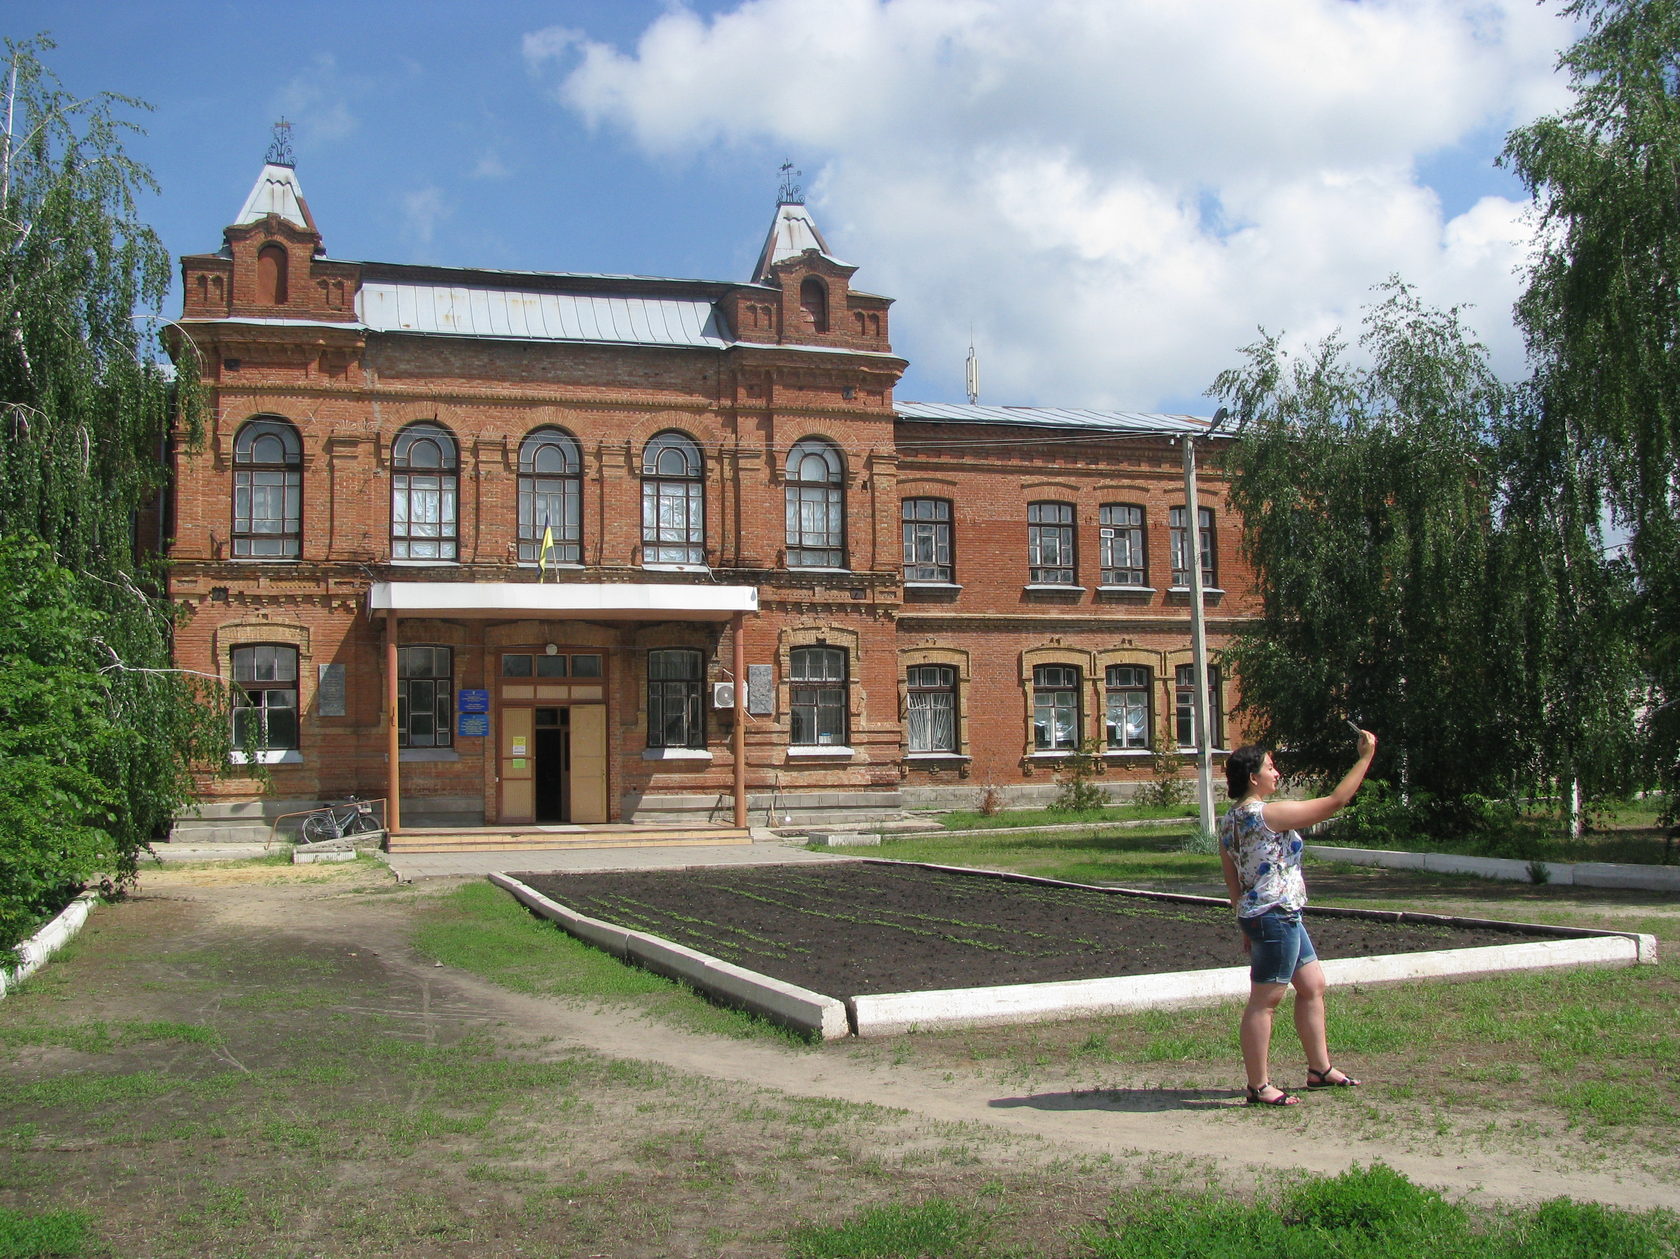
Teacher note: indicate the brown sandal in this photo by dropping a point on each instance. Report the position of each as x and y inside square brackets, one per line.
[1322, 1080]
[1284, 1097]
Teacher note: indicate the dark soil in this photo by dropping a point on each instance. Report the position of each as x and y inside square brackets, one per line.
[862, 928]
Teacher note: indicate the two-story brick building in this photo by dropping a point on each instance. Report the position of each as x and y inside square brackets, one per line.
[533, 547]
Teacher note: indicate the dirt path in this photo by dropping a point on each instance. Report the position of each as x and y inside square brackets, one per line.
[1090, 1114]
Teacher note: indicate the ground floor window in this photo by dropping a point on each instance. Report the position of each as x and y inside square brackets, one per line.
[425, 696]
[265, 699]
[675, 714]
[817, 696]
[1056, 708]
[930, 718]
[1184, 688]
[1127, 692]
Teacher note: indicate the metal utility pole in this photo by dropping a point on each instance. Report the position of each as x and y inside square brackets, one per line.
[1198, 629]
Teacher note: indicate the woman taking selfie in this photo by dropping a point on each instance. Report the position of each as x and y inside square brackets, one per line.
[1260, 848]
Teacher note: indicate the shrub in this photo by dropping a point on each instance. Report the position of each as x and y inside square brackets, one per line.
[1165, 789]
[1078, 793]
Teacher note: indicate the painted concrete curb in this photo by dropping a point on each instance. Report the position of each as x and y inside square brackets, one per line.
[1581, 873]
[33, 953]
[787, 1004]
[891, 1014]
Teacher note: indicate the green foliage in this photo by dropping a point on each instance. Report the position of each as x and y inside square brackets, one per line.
[99, 732]
[1406, 578]
[928, 1230]
[1078, 794]
[1165, 788]
[47, 1235]
[1602, 307]
[1370, 1213]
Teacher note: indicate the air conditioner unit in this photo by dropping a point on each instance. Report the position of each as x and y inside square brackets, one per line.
[723, 695]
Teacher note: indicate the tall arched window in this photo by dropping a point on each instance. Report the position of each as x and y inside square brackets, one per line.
[816, 533]
[271, 275]
[550, 497]
[673, 501]
[267, 491]
[423, 494]
[813, 301]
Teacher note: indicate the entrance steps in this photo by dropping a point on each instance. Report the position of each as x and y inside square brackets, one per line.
[529, 838]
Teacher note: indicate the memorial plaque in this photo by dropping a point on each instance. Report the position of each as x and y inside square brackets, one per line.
[761, 694]
[474, 725]
[329, 690]
[472, 701]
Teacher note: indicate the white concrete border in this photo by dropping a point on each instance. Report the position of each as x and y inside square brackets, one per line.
[33, 953]
[887, 1014]
[890, 1014]
[791, 1006]
[1641, 878]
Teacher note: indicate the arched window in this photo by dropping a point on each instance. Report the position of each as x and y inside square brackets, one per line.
[271, 275]
[423, 494]
[813, 302]
[265, 697]
[1176, 518]
[816, 534]
[550, 497]
[673, 501]
[267, 491]
[1121, 531]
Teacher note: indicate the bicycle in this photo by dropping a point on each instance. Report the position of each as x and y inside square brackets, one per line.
[334, 821]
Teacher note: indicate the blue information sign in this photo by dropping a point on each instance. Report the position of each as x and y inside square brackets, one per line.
[474, 725]
[469, 701]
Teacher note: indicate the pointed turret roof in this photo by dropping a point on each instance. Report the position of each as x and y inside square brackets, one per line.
[277, 192]
[792, 232]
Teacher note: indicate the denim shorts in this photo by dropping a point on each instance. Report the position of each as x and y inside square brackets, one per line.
[1278, 945]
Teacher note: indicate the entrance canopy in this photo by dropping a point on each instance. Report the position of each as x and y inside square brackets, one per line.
[626, 601]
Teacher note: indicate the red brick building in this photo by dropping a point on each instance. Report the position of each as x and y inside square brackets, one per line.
[588, 548]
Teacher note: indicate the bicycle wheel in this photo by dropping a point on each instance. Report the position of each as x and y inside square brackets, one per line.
[320, 826]
[361, 822]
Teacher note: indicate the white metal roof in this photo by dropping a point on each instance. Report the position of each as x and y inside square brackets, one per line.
[275, 192]
[459, 310]
[686, 601]
[1052, 417]
[792, 232]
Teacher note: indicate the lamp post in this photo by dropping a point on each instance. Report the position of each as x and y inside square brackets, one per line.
[1198, 627]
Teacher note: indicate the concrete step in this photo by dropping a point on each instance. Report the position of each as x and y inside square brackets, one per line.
[499, 839]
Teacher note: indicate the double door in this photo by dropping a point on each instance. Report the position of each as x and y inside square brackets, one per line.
[553, 763]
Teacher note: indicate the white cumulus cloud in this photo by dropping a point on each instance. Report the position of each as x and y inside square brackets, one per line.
[1111, 194]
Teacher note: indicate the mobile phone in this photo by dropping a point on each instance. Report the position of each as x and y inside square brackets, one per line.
[1353, 726]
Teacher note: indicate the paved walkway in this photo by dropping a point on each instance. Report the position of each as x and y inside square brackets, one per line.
[766, 849]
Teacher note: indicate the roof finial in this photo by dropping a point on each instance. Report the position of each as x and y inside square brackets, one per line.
[280, 148]
[790, 193]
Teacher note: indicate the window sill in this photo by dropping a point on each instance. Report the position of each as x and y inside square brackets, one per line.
[536, 566]
[822, 750]
[1208, 592]
[937, 756]
[423, 756]
[1127, 754]
[272, 756]
[932, 585]
[1058, 755]
[426, 563]
[676, 754]
[817, 568]
[1048, 588]
[1183, 751]
[1141, 591]
[263, 559]
[674, 568]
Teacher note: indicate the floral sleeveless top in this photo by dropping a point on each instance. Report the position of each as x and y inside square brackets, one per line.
[1268, 864]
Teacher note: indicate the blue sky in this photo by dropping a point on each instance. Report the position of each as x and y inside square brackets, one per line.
[1108, 196]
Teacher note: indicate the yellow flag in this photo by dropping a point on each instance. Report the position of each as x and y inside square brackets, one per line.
[547, 548]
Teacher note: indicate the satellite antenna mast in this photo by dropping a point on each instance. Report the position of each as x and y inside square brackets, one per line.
[972, 373]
